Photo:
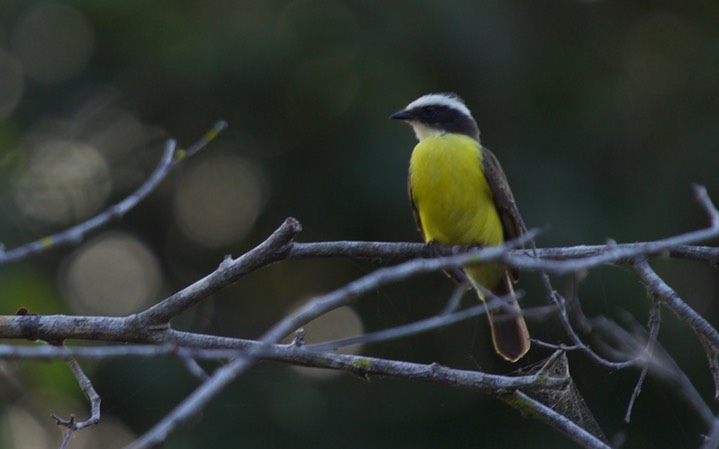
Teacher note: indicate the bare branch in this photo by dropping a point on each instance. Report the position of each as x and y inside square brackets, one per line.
[614, 253]
[406, 250]
[654, 324]
[313, 309]
[89, 391]
[661, 364]
[435, 373]
[534, 409]
[64, 327]
[229, 271]
[707, 334]
[192, 366]
[75, 234]
[152, 326]
[209, 136]
[553, 260]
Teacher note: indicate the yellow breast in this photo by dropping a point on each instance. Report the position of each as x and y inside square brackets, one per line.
[451, 193]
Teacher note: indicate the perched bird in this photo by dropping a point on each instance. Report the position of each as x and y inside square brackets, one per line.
[460, 195]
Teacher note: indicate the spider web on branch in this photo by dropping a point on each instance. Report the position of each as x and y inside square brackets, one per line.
[566, 400]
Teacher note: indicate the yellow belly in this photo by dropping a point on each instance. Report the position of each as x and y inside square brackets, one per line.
[453, 198]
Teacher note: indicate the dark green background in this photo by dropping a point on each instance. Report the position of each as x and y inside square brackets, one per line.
[603, 113]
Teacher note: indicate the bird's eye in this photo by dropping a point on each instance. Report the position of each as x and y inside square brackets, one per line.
[429, 109]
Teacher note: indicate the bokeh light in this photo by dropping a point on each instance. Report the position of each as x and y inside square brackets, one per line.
[112, 274]
[21, 429]
[218, 200]
[63, 181]
[53, 41]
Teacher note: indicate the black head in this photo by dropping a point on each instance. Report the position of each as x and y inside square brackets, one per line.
[439, 113]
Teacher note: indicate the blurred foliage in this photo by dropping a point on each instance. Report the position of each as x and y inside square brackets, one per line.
[602, 113]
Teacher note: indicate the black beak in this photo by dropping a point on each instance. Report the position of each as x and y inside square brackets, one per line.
[401, 115]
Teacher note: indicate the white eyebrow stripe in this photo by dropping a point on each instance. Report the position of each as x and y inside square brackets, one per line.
[440, 99]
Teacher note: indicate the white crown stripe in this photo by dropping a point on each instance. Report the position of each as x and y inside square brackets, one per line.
[440, 99]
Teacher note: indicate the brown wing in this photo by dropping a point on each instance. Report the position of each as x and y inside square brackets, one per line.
[512, 222]
[415, 211]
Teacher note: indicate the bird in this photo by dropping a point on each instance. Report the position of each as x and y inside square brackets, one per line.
[460, 195]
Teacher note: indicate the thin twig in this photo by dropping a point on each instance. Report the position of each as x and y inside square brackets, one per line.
[454, 301]
[75, 234]
[615, 253]
[229, 271]
[68, 435]
[88, 390]
[417, 327]
[209, 136]
[661, 364]
[648, 352]
[712, 439]
[705, 331]
[192, 366]
[534, 409]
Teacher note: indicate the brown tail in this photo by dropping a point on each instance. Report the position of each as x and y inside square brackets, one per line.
[509, 331]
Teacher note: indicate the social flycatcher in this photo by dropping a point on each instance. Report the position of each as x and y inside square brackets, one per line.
[460, 195]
